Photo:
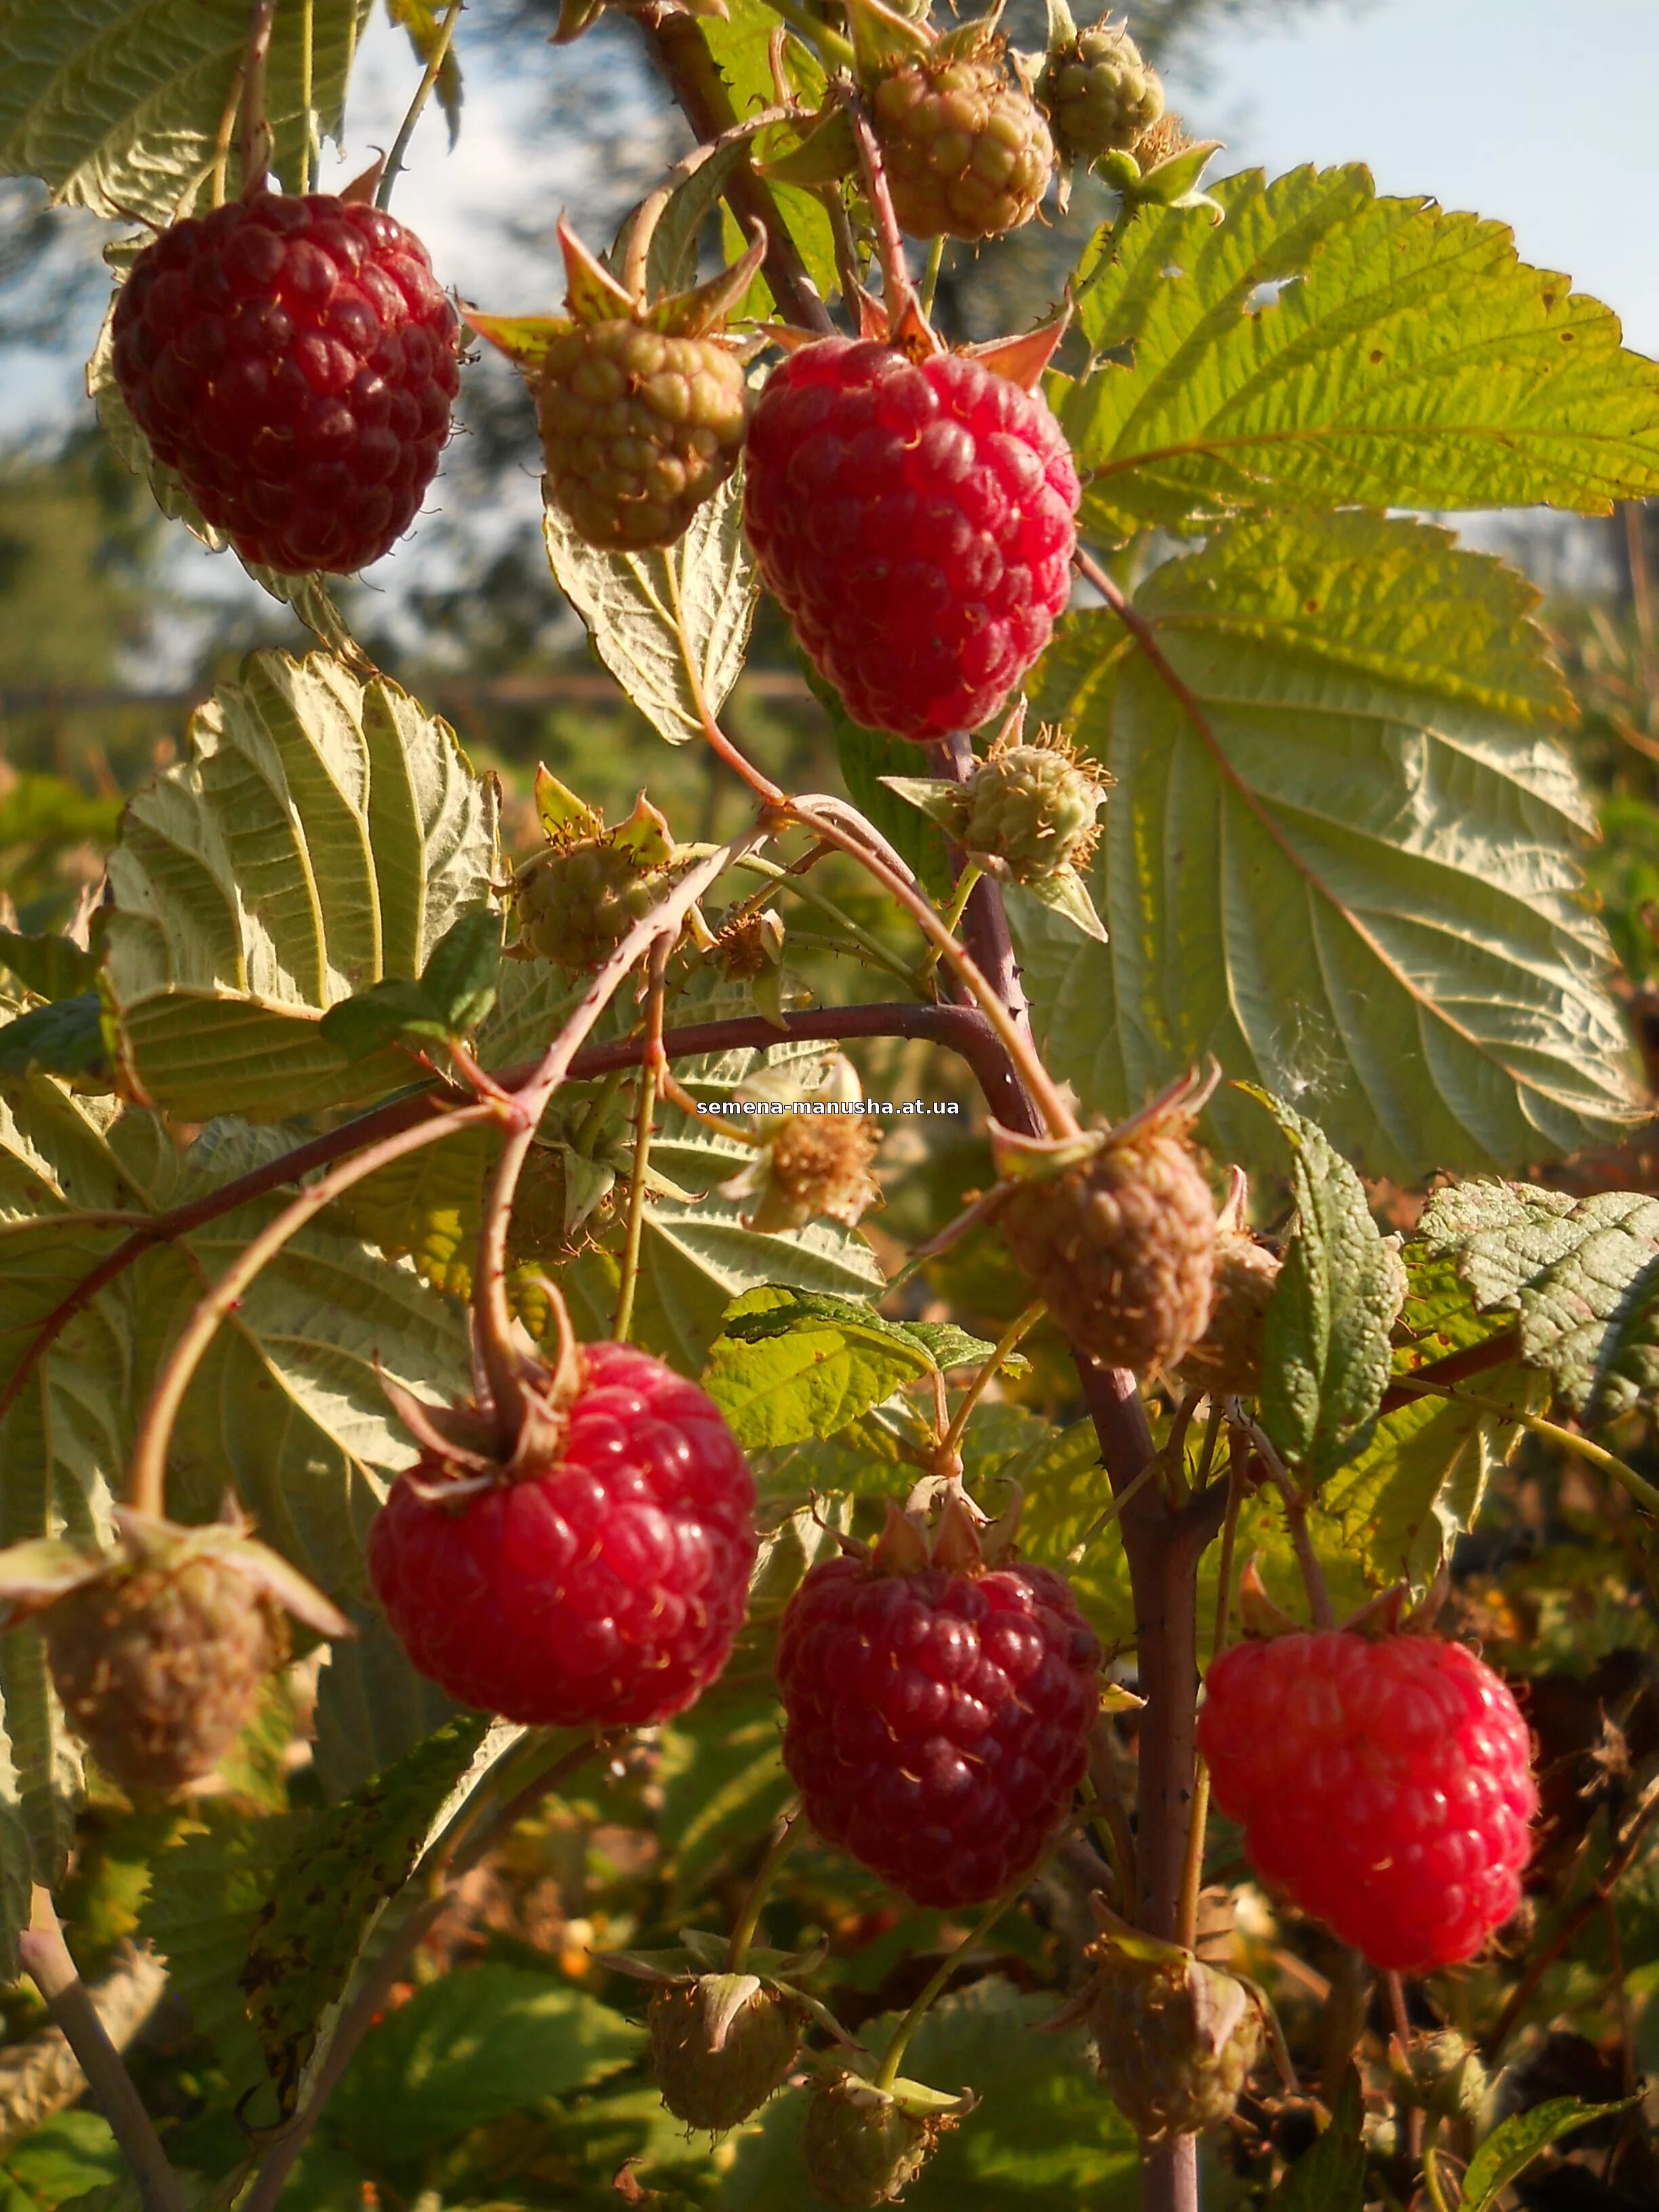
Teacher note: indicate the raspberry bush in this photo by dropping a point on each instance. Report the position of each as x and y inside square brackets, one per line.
[910, 1453]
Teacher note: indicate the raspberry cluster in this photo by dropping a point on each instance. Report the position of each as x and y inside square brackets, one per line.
[915, 521]
[295, 360]
[937, 1723]
[1386, 1785]
[603, 1588]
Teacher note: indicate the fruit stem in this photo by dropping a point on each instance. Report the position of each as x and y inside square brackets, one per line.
[1642, 1490]
[742, 1932]
[1020, 1326]
[256, 131]
[653, 1067]
[801, 888]
[1192, 1871]
[970, 875]
[1224, 1580]
[492, 1315]
[435, 62]
[896, 289]
[226, 131]
[308, 66]
[44, 1957]
[651, 207]
[1296, 1513]
[887, 2074]
[147, 1473]
[1436, 2195]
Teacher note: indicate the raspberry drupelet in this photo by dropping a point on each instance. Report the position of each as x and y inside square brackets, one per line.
[1385, 1785]
[915, 521]
[295, 360]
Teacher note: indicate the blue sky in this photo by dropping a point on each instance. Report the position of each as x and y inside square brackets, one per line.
[1543, 114]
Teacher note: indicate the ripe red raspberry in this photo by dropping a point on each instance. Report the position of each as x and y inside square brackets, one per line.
[914, 520]
[295, 360]
[1385, 1785]
[936, 1721]
[602, 1590]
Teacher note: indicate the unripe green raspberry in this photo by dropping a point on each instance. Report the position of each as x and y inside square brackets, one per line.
[577, 901]
[1175, 2039]
[1101, 96]
[859, 2146]
[966, 148]
[159, 1665]
[1121, 1246]
[638, 427]
[720, 2045]
[1226, 1361]
[1030, 809]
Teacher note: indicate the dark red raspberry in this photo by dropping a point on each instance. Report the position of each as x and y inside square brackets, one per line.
[603, 1591]
[937, 1721]
[1386, 1785]
[914, 520]
[295, 360]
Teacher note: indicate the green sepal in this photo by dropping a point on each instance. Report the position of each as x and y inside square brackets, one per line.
[883, 41]
[1174, 182]
[525, 339]
[962, 40]
[828, 153]
[50, 965]
[644, 837]
[559, 811]
[36, 1574]
[1065, 893]
[66, 1039]
[941, 802]
[591, 292]
[1062, 29]
[690, 315]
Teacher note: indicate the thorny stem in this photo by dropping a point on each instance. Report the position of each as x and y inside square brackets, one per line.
[530, 1102]
[1192, 1873]
[256, 130]
[1020, 1326]
[45, 1957]
[802, 887]
[389, 1969]
[680, 52]
[651, 1067]
[147, 1475]
[435, 62]
[1643, 1492]
[742, 1931]
[931, 276]
[1408, 2123]
[651, 209]
[887, 2073]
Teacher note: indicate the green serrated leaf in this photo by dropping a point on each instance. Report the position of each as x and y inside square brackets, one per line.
[66, 1038]
[1403, 357]
[951, 1346]
[788, 1367]
[331, 1891]
[50, 966]
[1341, 855]
[322, 835]
[118, 107]
[1325, 1354]
[469, 2049]
[1510, 2149]
[668, 625]
[1329, 2176]
[1582, 1275]
[206, 1892]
